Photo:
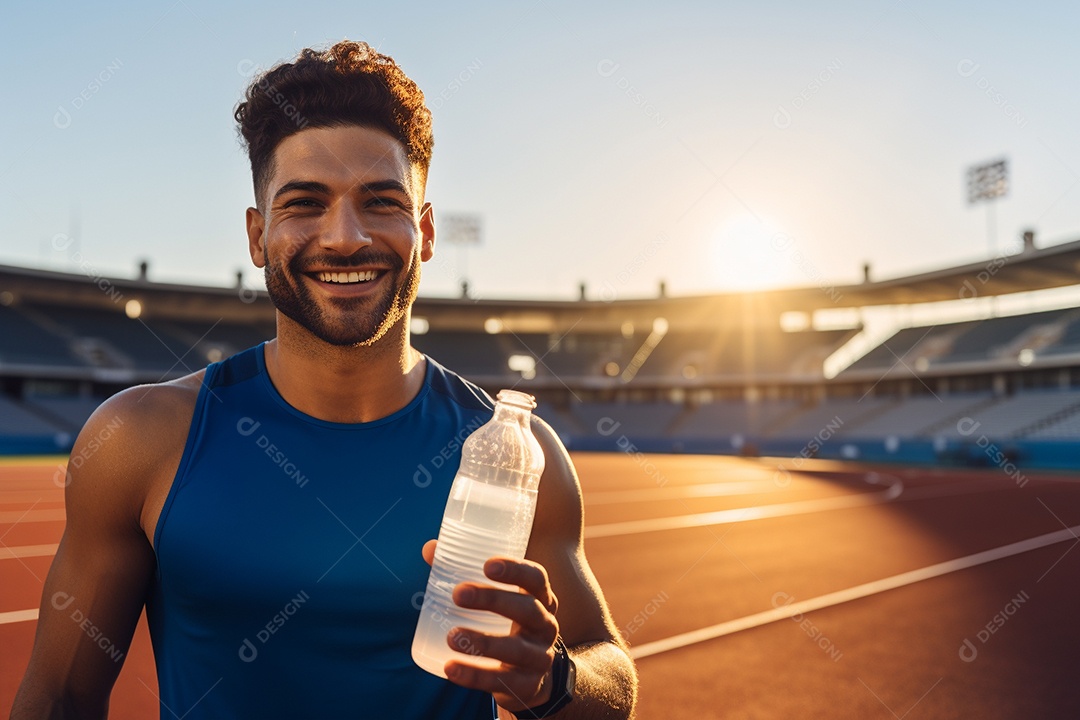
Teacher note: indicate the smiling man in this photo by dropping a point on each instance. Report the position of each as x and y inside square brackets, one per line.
[266, 511]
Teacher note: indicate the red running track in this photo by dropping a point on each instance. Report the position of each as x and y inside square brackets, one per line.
[828, 591]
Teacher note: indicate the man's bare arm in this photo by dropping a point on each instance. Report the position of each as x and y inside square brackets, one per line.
[97, 585]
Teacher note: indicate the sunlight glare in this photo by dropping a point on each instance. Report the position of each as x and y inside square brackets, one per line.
[746, 254]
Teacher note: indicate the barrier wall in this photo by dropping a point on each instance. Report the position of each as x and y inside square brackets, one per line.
[1008, 455]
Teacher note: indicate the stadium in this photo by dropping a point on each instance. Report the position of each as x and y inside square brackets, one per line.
[807, 537]
[720, 374]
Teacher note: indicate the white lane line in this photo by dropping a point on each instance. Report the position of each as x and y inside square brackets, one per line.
[685, 491]
[15, 616]
[26, 551]
[853, 593]
[757, 512]
[14, 516]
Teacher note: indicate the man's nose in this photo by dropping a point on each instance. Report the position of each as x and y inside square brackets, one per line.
[344, 230]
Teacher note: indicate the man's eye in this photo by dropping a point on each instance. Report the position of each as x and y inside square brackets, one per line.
[386, 202]
[301, 202]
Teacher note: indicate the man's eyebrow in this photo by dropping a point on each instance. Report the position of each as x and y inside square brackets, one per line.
[311, 186]
[382, 185]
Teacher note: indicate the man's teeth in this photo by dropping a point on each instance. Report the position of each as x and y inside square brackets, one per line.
[348, 277]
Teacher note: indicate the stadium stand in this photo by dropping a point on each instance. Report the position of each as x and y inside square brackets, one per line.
[117, 340]
[1069, 340]
[695, 374]
[633, 419]
[17, 420]
[68, 413]
[917, 416]
[725, 418]
[1012, 417]
[996, 336]
[26, 342]
[1065, 426]
[1001, 338]
[834, 413]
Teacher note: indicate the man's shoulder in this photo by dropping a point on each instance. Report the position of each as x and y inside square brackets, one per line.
[147, 420]
[157, 403]
[129, 448]
[456, 388]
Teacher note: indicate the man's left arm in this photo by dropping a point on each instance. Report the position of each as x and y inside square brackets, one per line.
[560, 598]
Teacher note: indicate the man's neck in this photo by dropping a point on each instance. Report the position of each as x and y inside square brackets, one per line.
[344, 384]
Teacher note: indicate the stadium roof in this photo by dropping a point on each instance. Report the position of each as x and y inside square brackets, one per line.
[1034, 269]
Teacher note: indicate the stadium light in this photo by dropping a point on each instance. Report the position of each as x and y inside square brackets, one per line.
[419, 325]
[988, 182]
[464, 230]
[524, 364]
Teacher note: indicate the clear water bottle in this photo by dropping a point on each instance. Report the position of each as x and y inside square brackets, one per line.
[489, 512]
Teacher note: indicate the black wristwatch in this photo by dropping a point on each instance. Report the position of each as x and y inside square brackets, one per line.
[563, 678]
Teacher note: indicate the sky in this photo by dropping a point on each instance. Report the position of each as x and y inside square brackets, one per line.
[711, 146]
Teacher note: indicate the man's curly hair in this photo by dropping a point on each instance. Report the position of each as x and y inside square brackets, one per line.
[349, 84]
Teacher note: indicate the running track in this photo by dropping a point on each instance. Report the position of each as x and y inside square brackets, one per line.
[825, 591]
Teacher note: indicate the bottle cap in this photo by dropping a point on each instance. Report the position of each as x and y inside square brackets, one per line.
[516, 399]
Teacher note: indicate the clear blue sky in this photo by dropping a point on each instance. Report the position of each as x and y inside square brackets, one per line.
[611, 143]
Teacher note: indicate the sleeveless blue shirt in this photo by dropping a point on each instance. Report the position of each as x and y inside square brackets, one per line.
[289, 576]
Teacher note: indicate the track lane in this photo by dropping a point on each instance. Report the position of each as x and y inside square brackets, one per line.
[898, 649]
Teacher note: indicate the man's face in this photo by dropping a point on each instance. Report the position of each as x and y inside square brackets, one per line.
[343, 233]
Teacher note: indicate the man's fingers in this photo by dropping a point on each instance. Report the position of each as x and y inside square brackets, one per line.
[428, 551]
[511, 688]
[529, 576]
[525, 610]
[509, 649]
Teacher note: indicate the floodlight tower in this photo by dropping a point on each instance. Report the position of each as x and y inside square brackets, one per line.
[463, 230]
[988, 182]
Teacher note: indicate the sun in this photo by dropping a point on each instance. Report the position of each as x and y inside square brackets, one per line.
[751, 254]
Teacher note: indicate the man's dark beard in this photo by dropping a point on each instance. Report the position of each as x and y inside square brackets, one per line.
[293, 298]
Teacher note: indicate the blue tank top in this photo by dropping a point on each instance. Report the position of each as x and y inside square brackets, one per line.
[289, 576]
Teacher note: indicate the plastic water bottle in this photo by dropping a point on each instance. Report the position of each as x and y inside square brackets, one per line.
[489, 512]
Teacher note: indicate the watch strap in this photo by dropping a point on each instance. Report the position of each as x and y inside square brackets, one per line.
[563, 680]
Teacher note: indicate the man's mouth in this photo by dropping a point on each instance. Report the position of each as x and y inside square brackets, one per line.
[344, 278]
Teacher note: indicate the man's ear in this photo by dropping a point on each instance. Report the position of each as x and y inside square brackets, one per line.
[427, 232]
[256, 227]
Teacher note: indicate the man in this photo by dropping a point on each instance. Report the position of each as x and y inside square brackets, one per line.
[270, 510]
